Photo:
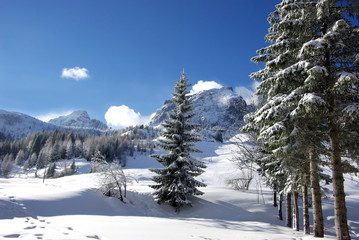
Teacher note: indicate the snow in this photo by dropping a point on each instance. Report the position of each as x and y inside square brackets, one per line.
[310, 98]
[318, 70]
[72, 208]
[298, 67]
[315, 44]
[352, 110]
[345, 78]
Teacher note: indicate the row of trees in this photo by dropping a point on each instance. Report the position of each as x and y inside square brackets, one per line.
[41, 148]
[311, 83]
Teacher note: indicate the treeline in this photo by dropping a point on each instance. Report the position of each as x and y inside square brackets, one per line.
[42, 148]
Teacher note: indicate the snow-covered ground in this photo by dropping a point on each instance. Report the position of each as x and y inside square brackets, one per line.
[72, 208]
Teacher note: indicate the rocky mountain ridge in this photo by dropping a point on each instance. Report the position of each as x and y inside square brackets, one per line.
[217, 110]
[78, 119]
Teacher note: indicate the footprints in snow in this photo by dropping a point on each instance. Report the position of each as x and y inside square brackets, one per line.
[17, 208]
[36, 228]
[34, 223]
[12, 236]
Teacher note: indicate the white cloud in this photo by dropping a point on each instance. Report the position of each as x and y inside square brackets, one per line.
[75, 73]
[123, 116]
[245, 93]
[204, 85]
[248, 94]
[51, 115]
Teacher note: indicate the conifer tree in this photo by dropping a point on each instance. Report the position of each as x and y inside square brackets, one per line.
[335, 54]
[282, 82]
[311, 82]
[176, 183]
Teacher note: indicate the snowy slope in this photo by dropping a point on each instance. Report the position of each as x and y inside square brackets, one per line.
[19, 125]
[71, 208]
[216, 109]
[78, 119]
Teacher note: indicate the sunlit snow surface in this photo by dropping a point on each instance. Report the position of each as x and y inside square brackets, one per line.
[72, 208]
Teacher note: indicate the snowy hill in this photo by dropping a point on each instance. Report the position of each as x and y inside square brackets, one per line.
[72, 208]
[19, 125]
[78, 119]
[216, 110]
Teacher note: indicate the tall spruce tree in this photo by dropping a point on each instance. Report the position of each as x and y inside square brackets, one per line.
[279, 130]
[311, 82]
[176, 182]
[334, 82]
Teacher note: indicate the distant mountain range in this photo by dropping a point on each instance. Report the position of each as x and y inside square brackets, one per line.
[19, 125]
[217, 110]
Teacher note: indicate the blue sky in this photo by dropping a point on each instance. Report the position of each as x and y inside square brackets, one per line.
[129, 52]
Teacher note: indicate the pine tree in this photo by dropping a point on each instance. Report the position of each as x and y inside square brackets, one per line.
[20, 157]
[278, 125]
[311, 80]
[336, 53]
[176, 182]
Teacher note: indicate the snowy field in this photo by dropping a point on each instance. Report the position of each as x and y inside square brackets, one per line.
[72, 208]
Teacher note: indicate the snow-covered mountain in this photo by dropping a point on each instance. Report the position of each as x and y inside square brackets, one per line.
[216, 110]
[19, 125]
[78, 119]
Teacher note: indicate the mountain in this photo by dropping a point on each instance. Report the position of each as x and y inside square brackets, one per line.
[217, 110]
[19, 125]
[78, 119]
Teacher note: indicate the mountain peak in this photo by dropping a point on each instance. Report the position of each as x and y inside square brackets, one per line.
[216, 109]
[78, 119]
[79, 114]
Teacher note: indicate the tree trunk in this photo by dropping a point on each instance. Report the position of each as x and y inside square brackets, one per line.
[306, 224]
[275, 195]
[275, 199]
[280, 207]
[318, 221]
[289, 210]
[340, 210]
[296, 210]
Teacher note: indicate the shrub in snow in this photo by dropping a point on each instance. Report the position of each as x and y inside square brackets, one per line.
[113, 180]
[242, 182]
[65, 171]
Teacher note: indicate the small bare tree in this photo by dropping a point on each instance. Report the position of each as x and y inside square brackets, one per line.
[244, 157]
[113, 180]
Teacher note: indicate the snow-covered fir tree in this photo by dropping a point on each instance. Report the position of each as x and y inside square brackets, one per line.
[311, 82]
[333, 84]
[282, 84]
[176, 183]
